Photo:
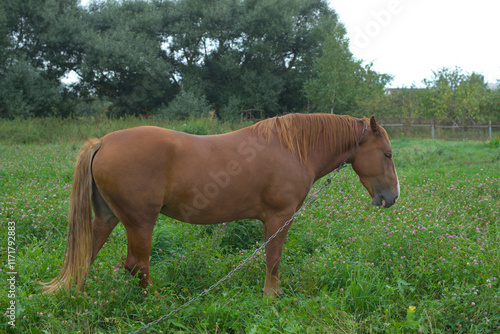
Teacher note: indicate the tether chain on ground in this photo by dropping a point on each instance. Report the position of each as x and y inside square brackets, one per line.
[311, 199]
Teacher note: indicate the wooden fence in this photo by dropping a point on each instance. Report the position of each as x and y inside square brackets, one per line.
[441, 128]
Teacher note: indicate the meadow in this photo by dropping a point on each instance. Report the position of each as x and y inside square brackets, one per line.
[429, 264]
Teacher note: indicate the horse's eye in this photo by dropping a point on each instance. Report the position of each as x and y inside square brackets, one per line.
[388, 155]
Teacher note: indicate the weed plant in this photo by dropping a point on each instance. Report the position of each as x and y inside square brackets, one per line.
[429, 264]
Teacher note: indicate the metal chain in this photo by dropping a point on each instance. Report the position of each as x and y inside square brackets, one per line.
[311, 199]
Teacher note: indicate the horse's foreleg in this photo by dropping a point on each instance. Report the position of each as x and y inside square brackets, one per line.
[274, 250]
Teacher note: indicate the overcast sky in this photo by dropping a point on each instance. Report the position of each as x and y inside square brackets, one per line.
[411, 38]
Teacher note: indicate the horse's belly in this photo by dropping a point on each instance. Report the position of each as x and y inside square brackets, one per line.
[213, 202]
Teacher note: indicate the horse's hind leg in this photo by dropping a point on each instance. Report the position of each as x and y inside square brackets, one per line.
[138, 216]
[139, 220]
[102, 227]
[104, 222]
[139, 249]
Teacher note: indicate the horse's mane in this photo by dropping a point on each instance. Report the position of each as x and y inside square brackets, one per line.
[300, 132]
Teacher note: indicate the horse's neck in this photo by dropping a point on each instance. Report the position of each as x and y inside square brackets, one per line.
[325, 159]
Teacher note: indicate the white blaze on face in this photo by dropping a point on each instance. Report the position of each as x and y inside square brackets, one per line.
[397, 179]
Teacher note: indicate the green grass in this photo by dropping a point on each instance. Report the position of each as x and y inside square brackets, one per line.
[429, 264]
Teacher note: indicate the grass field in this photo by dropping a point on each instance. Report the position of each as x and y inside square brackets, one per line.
[429, 264]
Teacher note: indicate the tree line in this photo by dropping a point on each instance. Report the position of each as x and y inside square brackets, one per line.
[451, 93]
[181, 58]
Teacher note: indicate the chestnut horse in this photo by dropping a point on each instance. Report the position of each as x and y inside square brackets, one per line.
[263, 171]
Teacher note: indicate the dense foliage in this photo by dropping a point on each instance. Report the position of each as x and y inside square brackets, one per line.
[450, 94]
[181, 58]
[140, 55]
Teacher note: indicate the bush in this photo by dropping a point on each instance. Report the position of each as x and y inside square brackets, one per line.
[231, 111]
[494, 143]
[186, 104]
[26, 92]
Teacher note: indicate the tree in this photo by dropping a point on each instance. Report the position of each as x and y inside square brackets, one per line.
[333, 87]
[244, 53]
[26, 92]
[122, 57]
[341, 83]
[251, 54]
[457, 95]
[492, 102]
[405, 102]
[138, 55]
[370, 91]
[29, 66]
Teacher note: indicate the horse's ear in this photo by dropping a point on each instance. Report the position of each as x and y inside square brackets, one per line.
[373, 124]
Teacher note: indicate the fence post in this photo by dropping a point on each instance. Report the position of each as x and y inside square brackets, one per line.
[432, 128]
[489, 129]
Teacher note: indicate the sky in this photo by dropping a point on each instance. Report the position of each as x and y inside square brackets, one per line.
[410, 39]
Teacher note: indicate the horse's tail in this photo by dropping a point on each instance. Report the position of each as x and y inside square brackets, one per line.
[79, 243]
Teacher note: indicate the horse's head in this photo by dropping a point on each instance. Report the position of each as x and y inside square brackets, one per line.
[373, 163]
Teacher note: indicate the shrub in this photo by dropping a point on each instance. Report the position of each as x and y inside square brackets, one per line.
[186, 104]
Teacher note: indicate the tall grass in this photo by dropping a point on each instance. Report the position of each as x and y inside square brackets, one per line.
[59, 131]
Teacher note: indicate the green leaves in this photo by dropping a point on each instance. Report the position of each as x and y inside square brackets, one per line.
[139, 55]
[458, 95]
[342, 83]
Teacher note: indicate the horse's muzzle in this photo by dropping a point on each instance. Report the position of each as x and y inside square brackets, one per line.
[386, 201]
